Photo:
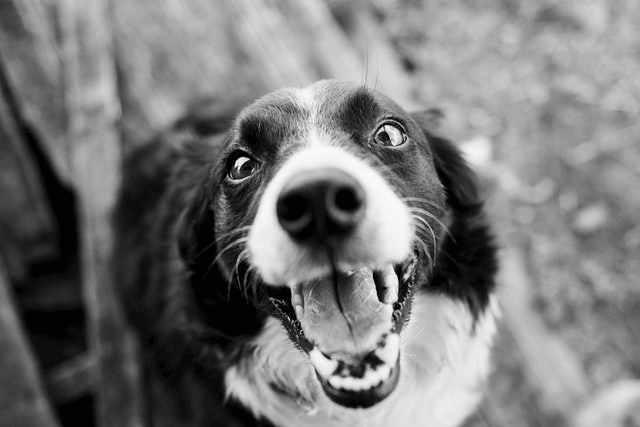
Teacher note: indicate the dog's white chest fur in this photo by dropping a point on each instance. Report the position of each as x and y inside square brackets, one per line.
[444, 366]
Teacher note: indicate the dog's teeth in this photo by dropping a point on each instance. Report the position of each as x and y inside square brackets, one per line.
[324, 366]
[384, 372]
[296, 300]
[386, 284]
[389, 351]
[371, 378]
[408, 270]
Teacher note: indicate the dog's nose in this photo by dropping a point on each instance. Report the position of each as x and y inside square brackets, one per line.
[320, 204]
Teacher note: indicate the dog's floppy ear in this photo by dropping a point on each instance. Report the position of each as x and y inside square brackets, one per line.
[196, 235]
[201, 143]
[196, 227]
[453, 171]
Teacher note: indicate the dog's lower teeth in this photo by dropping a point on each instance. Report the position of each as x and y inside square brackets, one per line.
[372, 377]
[387, 355]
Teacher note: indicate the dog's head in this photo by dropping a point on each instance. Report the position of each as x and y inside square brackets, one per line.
[327, 208]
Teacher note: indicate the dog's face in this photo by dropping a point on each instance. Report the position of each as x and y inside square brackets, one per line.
[328, 209]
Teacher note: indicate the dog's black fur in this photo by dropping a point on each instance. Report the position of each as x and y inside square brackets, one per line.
[169, 221]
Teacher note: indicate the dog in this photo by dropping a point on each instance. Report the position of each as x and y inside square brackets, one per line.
[322, 258]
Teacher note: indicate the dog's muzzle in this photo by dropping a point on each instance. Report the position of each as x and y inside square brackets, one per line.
[332, 241]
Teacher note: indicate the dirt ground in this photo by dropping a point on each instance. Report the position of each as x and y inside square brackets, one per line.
[547, 94]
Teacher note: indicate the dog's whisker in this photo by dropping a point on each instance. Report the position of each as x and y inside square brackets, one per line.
[232, 232]
[205, 249]
[226, 249]
[230, 246]
[421, 238]
[433, 234]
[246, 284]
[248, 271]
[419, 211]
[243, 255]
[425, 249]
[425, 226]
[221, 238]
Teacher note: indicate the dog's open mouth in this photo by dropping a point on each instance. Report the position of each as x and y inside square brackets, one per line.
[349, 324]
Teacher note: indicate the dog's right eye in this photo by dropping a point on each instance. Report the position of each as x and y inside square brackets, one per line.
[243, 167]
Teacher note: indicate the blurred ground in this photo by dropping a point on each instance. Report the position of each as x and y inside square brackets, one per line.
[549, 91]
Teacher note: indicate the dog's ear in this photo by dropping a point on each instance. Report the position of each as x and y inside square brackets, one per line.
[199, 137]
[196, 226]
[453, 171]
[196, 235]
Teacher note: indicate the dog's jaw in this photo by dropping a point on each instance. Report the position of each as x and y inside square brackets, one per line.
[446, 362]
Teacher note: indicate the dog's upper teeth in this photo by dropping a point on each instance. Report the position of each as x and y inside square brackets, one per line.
[387, 284]
[324, 365]
[372, 377]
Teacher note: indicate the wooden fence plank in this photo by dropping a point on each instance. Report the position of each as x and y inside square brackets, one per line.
[551, 366]
[93, 107]
[29, 55]
[382, 65]
[72, 379]
[28, 232]
[170, 53]
[22, 399]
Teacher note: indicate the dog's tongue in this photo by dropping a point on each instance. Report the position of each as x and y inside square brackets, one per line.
[344, 317]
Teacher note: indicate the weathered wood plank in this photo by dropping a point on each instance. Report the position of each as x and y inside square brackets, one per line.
[382, 66]
[29, 56]
[170, 53]
[22, 399]
[72, 379]
[615, 405]
[95, 153]
[551, 366]
[28, 232]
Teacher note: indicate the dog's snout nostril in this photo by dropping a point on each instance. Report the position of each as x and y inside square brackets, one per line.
[344, 206]
[348, 199]
[294, 213]
[320, 203]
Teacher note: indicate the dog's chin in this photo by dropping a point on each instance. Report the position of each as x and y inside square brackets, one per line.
[367, 371]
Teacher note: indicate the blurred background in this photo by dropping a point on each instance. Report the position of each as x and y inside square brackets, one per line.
[543, 97]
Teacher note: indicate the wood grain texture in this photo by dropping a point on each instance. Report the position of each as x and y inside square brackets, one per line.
[550, 365]
[29, 56]
[95, 153]
[28, 232]
[23, 401]
[383, 67]
[171, 53]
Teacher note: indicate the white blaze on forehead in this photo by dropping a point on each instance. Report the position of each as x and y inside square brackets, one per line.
[384, 236]
[307, 99]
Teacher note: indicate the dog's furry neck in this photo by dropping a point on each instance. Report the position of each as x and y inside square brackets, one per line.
[445, 366]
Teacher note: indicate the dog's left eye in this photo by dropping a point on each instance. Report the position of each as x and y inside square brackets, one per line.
[390, 135]
[243, 167]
